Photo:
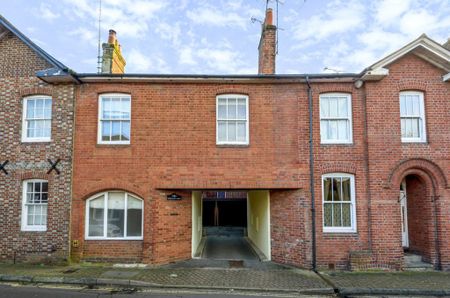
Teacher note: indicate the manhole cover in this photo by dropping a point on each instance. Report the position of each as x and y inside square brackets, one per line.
[236, 264]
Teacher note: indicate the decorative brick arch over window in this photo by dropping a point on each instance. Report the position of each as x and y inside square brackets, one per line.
[423, 168]
[337, 167]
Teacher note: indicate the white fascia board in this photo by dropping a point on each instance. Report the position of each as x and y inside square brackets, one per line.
[375, 74]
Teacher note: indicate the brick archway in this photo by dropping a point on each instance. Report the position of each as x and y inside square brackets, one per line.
[424, 182]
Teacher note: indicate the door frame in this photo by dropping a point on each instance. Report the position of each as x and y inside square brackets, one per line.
[403, 199]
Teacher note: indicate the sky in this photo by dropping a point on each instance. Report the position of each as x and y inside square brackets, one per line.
[218, 36]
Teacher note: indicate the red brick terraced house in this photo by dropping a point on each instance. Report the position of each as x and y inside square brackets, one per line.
[36, 126]
[336, 170]
[345, 171]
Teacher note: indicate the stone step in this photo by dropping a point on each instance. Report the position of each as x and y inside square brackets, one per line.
[414, 262]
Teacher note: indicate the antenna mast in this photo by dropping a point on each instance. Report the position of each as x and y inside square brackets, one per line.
[99, 57]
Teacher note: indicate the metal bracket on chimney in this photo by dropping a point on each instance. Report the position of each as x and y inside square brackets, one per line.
[53, 166]
[3, 165]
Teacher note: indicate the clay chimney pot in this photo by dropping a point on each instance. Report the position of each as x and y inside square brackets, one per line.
[269, 17]
[112, 37]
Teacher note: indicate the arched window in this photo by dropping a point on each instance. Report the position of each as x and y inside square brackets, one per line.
[114, 215]
[34, 205]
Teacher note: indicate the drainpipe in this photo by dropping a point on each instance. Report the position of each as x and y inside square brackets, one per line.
[311, 176]
[366, 168]
[434, 198]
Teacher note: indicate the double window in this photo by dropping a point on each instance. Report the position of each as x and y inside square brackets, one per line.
[339, 212]
[412, 116]
[34, 205]
[232, 119]
[37, 119]
[114, 215]
[335, 118]
[114, 119]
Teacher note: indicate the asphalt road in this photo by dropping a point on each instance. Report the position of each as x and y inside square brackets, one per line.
[26, 291]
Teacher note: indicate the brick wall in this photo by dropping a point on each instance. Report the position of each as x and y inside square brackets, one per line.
[173, 147]
[390, 160]
[29, 160]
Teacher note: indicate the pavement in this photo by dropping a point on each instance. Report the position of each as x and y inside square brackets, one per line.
[198, 275]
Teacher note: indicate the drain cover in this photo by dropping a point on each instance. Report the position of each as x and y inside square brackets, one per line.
[236, 264]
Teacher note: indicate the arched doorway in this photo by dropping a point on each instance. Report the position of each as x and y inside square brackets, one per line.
[422, 208]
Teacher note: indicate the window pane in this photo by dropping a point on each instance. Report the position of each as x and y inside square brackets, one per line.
[30, 108]
[48, 109]
[343, 107]
[222, 131]
[231, 131]
[106, 108]
[125, 131]
[126, 108]
[415, 127]
[116, 214]
[47, 128]
[222, 111]
[324, 107]
[324, 129]
[232, 108]
[39, 111]
[37, 187]
[96, 217]
[337, 189]
[416, 105]
[346, 215]
[242, 111]
[346, 189]
[115, 108]
[134, 217]
[241, 131]
[332, 129]
[333, 107]
[343, 129]
[222, 101]
[403, 127]
[115, 134]
[337, 219]
[402, 105]
[327, 215]
[327, 194]
[106, 130]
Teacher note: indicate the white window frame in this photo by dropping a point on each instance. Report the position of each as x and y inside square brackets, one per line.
[423, 132]
[352, 228]
[105, 218]
[24, 225]
[25, 138]
[349, 140]
[247, 120]
[100, 115]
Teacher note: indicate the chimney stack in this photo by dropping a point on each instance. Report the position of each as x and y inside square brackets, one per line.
[267, 45]
[112, 59]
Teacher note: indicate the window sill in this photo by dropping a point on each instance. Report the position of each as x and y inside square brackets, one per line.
[32, 141]
[32, 229]
[420, 142]
[337, 143]
[118, 239]
[339, 232]
[99, 145]
[232, 145]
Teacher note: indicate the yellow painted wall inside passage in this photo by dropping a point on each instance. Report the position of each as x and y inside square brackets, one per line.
[196, 220]
[258, 222]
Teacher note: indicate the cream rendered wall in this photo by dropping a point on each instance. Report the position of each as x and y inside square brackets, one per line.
[196, 220]
[258, 221]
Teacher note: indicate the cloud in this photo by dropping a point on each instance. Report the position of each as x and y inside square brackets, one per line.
[138, 62]
[388, 11]
[86, 35]
[186, 56]
[46, 13]
[215, 17]
[338, 18]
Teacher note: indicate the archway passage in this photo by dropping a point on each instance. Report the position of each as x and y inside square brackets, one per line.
[418, 229]
[231, 225]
